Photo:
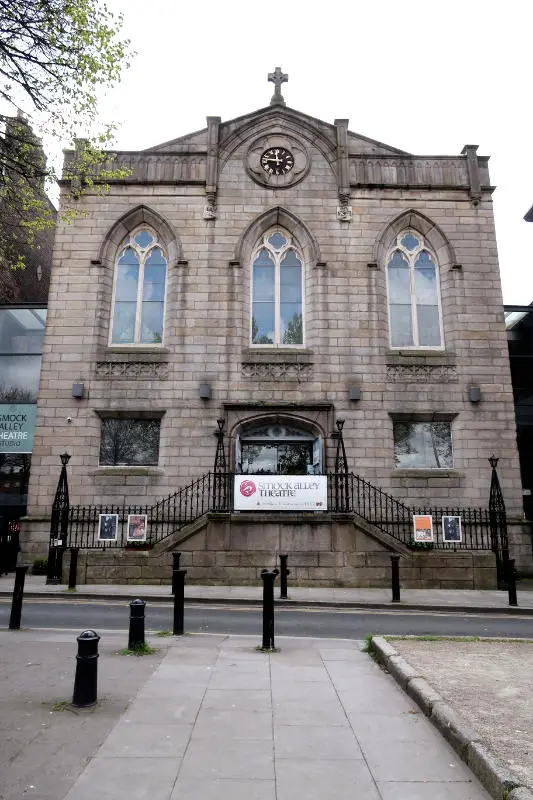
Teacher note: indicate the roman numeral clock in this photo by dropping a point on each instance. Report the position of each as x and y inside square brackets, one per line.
[277, 161]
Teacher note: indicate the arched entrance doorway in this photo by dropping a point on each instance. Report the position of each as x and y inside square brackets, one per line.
[278, 447]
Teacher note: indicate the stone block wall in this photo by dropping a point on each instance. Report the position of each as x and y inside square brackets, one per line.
[333, 553]
[208, 320]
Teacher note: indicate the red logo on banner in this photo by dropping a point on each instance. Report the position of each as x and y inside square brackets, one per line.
[247, 488]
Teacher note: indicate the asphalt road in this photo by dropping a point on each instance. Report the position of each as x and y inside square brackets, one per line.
[346, 624]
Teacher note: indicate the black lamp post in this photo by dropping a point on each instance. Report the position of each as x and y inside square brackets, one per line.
[341, 470]
[58, 525]
[498, 524]
[220, 476]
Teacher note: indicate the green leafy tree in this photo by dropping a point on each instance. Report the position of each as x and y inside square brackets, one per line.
[55, 56]
[256, 339]
[293, 333]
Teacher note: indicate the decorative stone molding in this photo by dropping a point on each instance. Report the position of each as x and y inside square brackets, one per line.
[344, 211]
[210, 209]
[279, 370]
[302, 160]
[422, 373]
[141, 370]
[407, 170]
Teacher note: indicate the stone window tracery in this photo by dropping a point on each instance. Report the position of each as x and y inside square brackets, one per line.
[415, 318]
[277, 291]
[139, 290]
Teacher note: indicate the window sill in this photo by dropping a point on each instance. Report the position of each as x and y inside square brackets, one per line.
[270, 355]
[426, 473]
[124, 470]
[130, 353]
[409, 357]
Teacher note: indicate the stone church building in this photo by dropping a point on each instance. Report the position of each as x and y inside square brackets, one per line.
[279, 273]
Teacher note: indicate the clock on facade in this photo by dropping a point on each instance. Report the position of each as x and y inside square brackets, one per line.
[277, 161]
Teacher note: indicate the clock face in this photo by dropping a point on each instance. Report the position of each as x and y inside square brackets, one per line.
[277, 161]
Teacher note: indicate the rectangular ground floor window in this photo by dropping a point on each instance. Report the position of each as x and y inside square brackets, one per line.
[129, 441]
[422, 445]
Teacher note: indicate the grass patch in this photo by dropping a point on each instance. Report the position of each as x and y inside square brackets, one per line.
[61, 705]
[163, 634]
[367, 639]
[139, 650]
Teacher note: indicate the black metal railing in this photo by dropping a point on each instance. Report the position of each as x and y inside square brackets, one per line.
[347, 493]
[351, 494]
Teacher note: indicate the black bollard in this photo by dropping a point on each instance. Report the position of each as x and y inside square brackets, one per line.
[511, 581]
[73, 569]
[178, 578]
[18, 594]
[268, 608]
[86, 678]
[395, 564]
[284, 573]
[136, 633]
[175, 567]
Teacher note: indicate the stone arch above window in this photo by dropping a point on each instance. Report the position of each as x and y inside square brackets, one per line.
[278, 445]
[277, 290]
[413, 291]
[281, 217]
[417, 221]
[136, 217]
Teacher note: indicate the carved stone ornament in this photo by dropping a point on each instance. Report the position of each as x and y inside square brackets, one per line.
[422, 373]
[279, 371]
[210, 209]
[344, 211]
[142, 370]
[271, 143]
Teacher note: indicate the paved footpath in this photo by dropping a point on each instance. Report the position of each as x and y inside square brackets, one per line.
[436, 599]
[218, 720]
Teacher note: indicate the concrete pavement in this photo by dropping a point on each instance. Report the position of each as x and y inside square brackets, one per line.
[427, 599]
[318, 719]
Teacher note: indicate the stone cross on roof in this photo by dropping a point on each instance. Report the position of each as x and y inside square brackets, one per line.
[277, 78]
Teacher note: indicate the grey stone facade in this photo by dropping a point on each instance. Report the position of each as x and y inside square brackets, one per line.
[344, 203]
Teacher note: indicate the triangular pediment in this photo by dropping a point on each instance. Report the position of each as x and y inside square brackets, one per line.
[276, 115]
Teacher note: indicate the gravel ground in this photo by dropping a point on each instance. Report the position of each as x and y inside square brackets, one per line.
[489, 684]
[44, 742]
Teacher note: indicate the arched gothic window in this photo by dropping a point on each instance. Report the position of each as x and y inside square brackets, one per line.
[415, 318]
[277, 291]
[139, 290]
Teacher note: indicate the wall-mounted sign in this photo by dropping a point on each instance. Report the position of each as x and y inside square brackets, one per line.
[17, 425]
[423, 527]
[281, 493]
[451, 529]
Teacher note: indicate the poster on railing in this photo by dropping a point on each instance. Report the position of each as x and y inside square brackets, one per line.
[451, 529]
[422, 527]
[137, 524]
[107, 527]
[280, 493]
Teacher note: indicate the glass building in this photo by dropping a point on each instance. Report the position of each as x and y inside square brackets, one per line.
[21, 347]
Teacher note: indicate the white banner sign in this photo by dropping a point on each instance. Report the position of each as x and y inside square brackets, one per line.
[281, 493]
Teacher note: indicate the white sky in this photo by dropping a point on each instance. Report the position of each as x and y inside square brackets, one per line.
[424, 77]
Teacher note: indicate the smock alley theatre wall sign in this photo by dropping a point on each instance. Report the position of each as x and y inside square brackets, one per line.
[17, 424]
[281, 493]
